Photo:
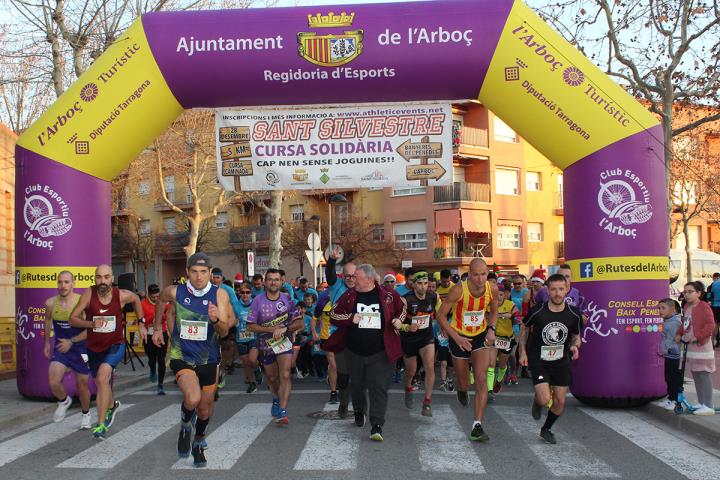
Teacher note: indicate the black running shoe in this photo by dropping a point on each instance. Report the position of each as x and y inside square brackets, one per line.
[478, 434]
[333, 398]
[252, 387]
[548, 436]
[183, 445]
[376, 433]
[463, 398]
[342, 411]
[198, 452]
[359, 418]
[536, 410]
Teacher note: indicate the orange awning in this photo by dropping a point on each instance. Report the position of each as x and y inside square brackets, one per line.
[447, 221]
[477, 221]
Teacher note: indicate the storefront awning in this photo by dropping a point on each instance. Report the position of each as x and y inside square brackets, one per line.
[477, 221]
[447, 221]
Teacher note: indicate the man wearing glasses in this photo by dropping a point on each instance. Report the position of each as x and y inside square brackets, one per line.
[246, 343]
[389, 280]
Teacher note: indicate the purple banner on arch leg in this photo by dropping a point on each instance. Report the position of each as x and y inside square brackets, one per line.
[615, 206]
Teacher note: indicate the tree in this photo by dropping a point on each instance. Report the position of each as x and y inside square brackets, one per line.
[666, 52]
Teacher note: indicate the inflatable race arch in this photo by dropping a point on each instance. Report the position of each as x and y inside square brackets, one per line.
[498, 51]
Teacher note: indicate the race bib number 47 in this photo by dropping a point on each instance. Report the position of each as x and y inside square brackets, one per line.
[551, 353]
[193, 330]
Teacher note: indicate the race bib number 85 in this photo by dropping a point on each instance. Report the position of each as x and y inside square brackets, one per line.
[474, 319]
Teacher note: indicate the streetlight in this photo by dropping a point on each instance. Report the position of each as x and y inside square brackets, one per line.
[316, 218]
[335, 199]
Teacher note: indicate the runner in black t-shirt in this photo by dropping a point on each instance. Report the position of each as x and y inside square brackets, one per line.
[417, 338]
[549, 342]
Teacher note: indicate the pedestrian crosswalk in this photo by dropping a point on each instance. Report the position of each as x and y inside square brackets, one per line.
[437, 445]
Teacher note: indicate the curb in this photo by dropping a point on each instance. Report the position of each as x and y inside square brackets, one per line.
[46, 408]
[686, 422]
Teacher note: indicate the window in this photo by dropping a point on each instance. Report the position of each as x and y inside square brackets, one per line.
[221, 220]
[188, 193]
[509, 236]
[145, 227]
[560, 201]
[561, 232]
[297, 213]
[694, 232]
[532, 181]
[144, 187]
[264, 219]
[170, 187]
[502, 132]
[458, 174]
[507, 181]
[378, 232]
[170, 226]
[535, 232]
[404, 191]
[411, 235]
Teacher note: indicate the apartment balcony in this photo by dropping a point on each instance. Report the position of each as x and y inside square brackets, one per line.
[170, 244]
[462, 192]
[474, 137]
[121, 212]
[559, 206]
[164, 207]
[250, 237]
[450, 249]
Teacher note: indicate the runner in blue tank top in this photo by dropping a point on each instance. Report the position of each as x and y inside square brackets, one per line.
[200, 315]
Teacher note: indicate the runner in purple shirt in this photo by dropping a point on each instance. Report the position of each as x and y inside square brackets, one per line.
[574, 297]
[273, 318]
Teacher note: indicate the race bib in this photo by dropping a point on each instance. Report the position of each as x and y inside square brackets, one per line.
[245, 335]
[105, 324]
[502, 343]
[552, 353]
[369, 320]
[422, 321]
[150, 330]
[316, 348]
[474, 319]
[193, 330]
[441, 336]
[280, 345]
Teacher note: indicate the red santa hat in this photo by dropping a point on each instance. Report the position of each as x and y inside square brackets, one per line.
[538, 276]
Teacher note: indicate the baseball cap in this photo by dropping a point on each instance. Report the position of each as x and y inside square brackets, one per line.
[217, 272]
[198, 259]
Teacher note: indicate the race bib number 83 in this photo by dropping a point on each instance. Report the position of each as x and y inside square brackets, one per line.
[193, 330]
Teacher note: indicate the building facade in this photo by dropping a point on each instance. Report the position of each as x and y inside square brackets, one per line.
[7, 248]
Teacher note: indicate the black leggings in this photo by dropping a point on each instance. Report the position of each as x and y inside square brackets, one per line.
[156, 354]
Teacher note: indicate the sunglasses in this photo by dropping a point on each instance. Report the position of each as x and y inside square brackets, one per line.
[245, 292]
[517, 283]
[389, 281]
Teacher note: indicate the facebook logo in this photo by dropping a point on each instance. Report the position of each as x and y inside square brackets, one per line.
[586, 269]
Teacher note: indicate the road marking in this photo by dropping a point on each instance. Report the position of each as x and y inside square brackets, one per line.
[443, 446]
[229, 441]
[567, 459]
[121, 445]
[680, 455]
[153, 393]
[34, 440]
[332, 445]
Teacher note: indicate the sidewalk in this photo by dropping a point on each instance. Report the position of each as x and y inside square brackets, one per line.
[15, 409]
[708, 427]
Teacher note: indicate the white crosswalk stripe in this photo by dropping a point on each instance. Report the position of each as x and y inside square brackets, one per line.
[687, 459]
[443, 446]
[230, 440]
[570, 460]
[121, 445]
[33, 440]
[332, 445]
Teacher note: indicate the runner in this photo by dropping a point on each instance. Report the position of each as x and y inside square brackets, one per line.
[155, 355]
[472, 336]
[69, 350]
[102, 307]
[202, 315]
[573, 296]
[227, 343]
[442, 345]
[417, 338]
[273, 319]
[246, 342]
[504, 342]
[445, 284]
[551, 332]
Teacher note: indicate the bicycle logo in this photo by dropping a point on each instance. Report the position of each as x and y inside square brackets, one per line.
[44, 217]
[618, 200]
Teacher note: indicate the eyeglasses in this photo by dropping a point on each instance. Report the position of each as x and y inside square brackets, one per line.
[389, 281]
[517, 283]
[349, 275]
[245, 292]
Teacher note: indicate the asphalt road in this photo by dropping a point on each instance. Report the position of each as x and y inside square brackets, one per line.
[244, 442]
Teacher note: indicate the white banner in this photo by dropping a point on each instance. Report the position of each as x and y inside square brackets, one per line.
[335, 148]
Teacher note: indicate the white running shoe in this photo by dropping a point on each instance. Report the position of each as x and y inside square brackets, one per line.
[703, 410]
[86, 423]
[62, 409]
[668, 405]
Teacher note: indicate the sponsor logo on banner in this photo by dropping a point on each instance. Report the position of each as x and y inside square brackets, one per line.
[624, 199]
[330, 50]
[46, 216]
[272, 177]
[376, 176]
[300, 175]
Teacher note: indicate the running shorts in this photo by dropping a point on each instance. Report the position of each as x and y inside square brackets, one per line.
[72, 359]
[207, 374]
[411, 345]
[112, 356]
[478, 342]
[245, 347]
[556, 376]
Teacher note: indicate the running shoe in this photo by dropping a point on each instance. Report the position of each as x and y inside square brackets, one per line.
[514, 379]
[183, 444]
[100, 431]
[62, 409]
[478, 434]
[282, 418]
[275, 409]
[252, 387]
[443, 386]
[450, 384]
[548, 436]
[359, 418]
[221, 382]
[408, 398]
[153, 377]
[198, 453]
[342, 411]
[85, 423]
[536, 410]
[498, 387]
[704, 410]
[463, 398]
[258, 375]
[111, 413]
[376, 433]
[333, 398]
[524, 373]
[491, 397]
[398, 376]
[426, 410]
[160, 390]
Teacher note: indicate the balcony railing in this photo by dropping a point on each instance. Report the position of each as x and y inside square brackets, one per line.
[251, 236]
[480, 247]
[462, 192]
[476, 137]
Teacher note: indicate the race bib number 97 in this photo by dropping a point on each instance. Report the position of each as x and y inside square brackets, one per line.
[104, 324]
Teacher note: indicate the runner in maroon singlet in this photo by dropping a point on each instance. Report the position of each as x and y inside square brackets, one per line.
[103, 305]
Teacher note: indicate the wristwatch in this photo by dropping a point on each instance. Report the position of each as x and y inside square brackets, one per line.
[491, 327]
